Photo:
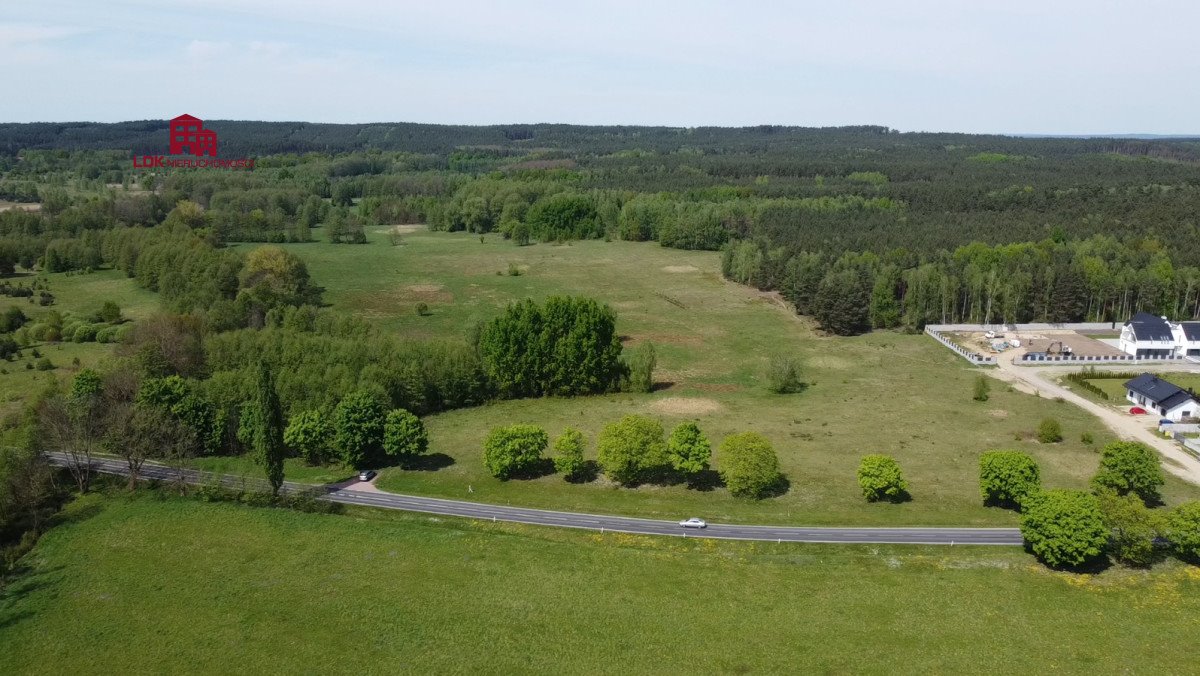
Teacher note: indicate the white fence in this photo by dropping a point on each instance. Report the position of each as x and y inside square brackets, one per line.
[973, 357]
[1030, 359]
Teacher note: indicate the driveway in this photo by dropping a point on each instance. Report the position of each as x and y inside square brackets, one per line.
[1040, 380]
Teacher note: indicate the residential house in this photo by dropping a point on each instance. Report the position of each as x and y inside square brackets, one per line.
[1162, 398]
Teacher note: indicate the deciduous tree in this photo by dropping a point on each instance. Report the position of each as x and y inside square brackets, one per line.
[631, 449]
[880, 478]
[512, 450]
[1064, 527]
[1130, 467]
[1006, 478]
[748, 465]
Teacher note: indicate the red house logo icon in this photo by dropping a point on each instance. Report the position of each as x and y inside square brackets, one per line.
[188, 136]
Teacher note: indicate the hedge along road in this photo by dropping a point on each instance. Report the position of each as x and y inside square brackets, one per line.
[622, 524]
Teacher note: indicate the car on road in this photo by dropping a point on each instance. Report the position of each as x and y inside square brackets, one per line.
[366, 475]
[693, 523]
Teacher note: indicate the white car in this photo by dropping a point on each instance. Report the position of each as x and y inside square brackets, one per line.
[693, 523]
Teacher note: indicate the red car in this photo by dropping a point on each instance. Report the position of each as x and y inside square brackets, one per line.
[1138, 410]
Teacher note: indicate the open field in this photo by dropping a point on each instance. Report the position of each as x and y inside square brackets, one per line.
[167, 585]
[883, 392]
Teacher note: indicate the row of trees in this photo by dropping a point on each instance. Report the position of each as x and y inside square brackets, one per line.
[634, 450]
[1072, 528]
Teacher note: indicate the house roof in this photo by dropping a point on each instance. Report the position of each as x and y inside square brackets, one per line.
[186, 117]
[1160, 392]
[1149, 327]
[1191, 330]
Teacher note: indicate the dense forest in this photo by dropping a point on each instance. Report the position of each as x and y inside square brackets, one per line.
[902, 228]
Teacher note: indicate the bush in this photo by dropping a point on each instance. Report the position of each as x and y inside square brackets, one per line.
[1130, 467]
[1183, 530]
[1132, 528]
[1087, 438]
[44, 364]
[358, 428]
[404, 435]
[512, 450]
[783, 376]
[880, 478]
[309, 434]
[1006, 478]
[688, 449]
[1064, 527]
[1049, 431]
[749, 466]
[641, 368]
[568, 454]
[423, 309]
[631, 449]
[981, 388]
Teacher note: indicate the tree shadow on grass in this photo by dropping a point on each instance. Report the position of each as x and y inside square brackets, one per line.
[19, 583]
[662, 385]
[431, 462]
[543, 467]
[1093, 566]
[780, 486]
[587, 474]
[705, 480]
[901, 497]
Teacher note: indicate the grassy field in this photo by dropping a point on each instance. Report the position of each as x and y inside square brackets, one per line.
[80, 294]
[884, 392]
[164, 585]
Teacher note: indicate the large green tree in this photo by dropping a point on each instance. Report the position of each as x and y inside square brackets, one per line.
[1130, 467]
[358, 424]
[568, 454]
[880, 478]
[1006, 478]
[1183, 530]
[310, 434]
[1064, 527]
[748, 465]
[688, 449]
[842, 303]
[404, 436]
[631, 449]
[266, 427]
[513, 450]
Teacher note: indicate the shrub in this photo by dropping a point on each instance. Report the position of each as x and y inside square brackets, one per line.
[1132, 528]
[423, 309]
[568, 454]
[1087, 438]
[44, 364]
[1183, 530]
[514, 270]
[749, 465]
[981, 388]
[630, 449]
[1006, 478]
[688, 449]
[404, 435]
[509, 451]
[641, 368]
[309, 434]
[1049, 431]
[783, 376]
[1130, 467]
[110, 312]
[880, 478]
[1064, 527]
[358, 428]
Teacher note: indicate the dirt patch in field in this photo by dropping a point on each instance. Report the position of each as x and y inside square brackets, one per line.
[681, 268]
[663, 339]
[408, 228]
[717, 387]
[998, 413]
[23, 206]
[428, 293]
[686, 406]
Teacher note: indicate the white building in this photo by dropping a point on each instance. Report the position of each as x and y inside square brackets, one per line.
[1162, 398]
[1147, 336]
[1187, 339]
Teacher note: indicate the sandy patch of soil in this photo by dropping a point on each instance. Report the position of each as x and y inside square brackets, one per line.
[428, 293]
[686, 406]
[998, 413]
[664, 339]
[681, 268]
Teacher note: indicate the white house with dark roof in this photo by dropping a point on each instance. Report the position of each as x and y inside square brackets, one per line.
[1147, 336]
[1187, 339]
[1165, 399]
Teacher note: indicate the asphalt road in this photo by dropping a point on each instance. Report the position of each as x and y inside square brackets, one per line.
[596, 522]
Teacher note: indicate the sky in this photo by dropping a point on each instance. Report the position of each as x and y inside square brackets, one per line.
[1009, 66]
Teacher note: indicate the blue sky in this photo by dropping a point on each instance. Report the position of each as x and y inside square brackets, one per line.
[1068, 67]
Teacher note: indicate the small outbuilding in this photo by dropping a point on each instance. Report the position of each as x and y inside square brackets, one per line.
[1161, 397]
